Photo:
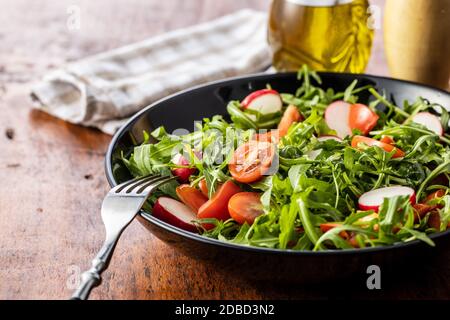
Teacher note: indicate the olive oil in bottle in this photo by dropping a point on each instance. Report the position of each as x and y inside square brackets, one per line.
[329, 35]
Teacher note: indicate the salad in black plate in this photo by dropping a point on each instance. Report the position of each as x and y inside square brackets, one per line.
[313, 169]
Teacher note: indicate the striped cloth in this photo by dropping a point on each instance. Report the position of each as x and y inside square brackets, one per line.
[102, 91]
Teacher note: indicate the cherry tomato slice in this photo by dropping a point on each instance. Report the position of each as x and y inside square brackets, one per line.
[362, 118]
[251, 161]
[353, 242]
[372, 142]
[217, 206]
[324, 227]
[203, 187]
[191, 197]
[245, 207]
[290, 116]
[387, 139]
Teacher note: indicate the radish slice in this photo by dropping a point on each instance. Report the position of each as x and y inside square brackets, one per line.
[178, 159]
[325, 138]
[183, 174]
[337, 118]
[372, 200]
[175, 213]
[314, 153]
[430, 121]
[265, 101]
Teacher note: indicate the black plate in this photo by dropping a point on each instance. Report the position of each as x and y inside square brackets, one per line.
[182, 109]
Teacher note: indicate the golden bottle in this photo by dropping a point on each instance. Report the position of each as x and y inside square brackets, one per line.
[329, 35]
[417, 46]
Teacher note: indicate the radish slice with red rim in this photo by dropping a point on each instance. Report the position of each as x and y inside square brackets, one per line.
[175, 213]
[430, 121]
[337, 118]
[265, 101]
[329, 137]
[183, 174]
[372, 200]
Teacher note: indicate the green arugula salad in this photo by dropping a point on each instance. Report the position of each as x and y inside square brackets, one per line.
[313, 169]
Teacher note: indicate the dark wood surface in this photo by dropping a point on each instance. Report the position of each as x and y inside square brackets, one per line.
[52, 179]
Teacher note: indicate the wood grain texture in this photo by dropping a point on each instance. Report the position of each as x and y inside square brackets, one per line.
[52, 179]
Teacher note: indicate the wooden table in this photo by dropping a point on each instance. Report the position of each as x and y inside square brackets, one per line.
[52, 179]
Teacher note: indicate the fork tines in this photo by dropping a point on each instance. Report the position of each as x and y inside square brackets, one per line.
[142, 184]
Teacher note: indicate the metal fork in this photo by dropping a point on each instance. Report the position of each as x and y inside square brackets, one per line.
[119, 207]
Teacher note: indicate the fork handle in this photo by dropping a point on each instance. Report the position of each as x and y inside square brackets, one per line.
[92, 277]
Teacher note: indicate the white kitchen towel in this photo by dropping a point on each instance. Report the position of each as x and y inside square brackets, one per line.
[102, 91]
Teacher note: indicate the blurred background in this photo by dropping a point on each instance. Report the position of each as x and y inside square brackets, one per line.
[35, 36]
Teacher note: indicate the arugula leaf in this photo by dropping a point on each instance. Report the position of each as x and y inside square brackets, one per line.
[305, 218]
[419, 235]
[288, 216]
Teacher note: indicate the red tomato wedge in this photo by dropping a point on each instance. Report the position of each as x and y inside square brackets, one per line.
[203, 187]
[353, 242]
[421, 210]
[437, 194]
[372, 142]
[362, 118]
[387, 139]
[245, 207]
[434, 220]
[251, 161]
[217, 206]
[324, 227]
[290, 116]
[269, 136]
[191, 196]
